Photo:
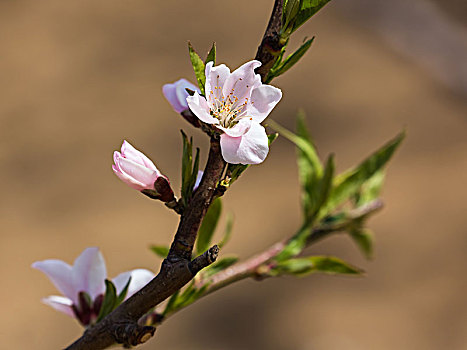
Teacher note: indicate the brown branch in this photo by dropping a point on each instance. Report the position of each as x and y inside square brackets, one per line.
[121, 325]
[271, 45]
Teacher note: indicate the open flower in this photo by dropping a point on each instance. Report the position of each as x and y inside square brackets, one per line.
[83, 284]
[237, 103]
[176, 94]
[140, 173]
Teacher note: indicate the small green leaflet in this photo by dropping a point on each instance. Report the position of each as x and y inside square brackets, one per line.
[160, 250]
[211, 55]
[348, 184]
[110, 300]
[198, 67]
[314, 264]
[220, 265]
[307, 9]
[364, 240]
[208, 226]
[189, 168]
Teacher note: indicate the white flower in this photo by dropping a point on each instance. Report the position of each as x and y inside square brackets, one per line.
[237, 103]
[83, 284]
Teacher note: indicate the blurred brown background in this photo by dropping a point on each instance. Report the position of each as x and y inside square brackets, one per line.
[77, 77]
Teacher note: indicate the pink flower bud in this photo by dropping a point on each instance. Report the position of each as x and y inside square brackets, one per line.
[176, 94]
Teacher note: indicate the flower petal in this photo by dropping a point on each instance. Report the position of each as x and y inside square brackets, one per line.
[200, 108]
[127, 179]
[89, 272]
[251, 148]
[263, 99]
[59, 273]
[131, 153]
[215, 79]
[199, 176]
[137, 173]
[139, 278]
[240, 83]
[60, 303]
[241, 128]
[176, 94]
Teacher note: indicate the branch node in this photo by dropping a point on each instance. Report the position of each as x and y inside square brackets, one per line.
[132, 334]
[204, 260]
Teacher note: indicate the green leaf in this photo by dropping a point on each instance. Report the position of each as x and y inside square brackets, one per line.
[307, 10]
[188, 296]
[289, 12]
[110, 300]
[349, 183]
[123, 293]
[208, 226]
[220, 265]
[296, 244]
[171, 303]
[307, 152]
[160, 250]
[290, 61]
[324, 186]
[371, 189]
[211, 55]
[188, 173]
[314, 264]
[364, 240]
[198, 67]
[227, 231]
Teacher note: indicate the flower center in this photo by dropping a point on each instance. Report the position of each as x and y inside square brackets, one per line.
[227, 109]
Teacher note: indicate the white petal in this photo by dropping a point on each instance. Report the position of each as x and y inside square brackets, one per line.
[199, 176]
[139, 278]
[138, 173]
[89, 272]
[200, 108]
[181, 93]
[263, 99]
[251, 148]
[215, 79]
[59, 303]
[241, 82]
[59, 273]
[127, 179]
[241, 128]
[131, 153]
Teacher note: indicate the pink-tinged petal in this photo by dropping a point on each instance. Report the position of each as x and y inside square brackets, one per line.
[89, 272]
[215, 79]
[241, 128]
[131, 153]
[241, 82]
[198, 179]
[127, 179]
[200, 108]
[59, 303]
[181, 93]
[59, 273]
[139, 278]
[176, 94]
[138, 173]
[263, 99]
[251, 148]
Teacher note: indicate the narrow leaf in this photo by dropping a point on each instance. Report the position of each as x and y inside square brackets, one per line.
[290, 61]
[313, 264]
[208, 226]
[109, 302]
[160, 250]
[123, 293]
[349, 183]
[198, 67]
[307, 10]
[227, 231]
[323, 189]
[211, 55]
[371, 189]
[364, 240]
[187, 164]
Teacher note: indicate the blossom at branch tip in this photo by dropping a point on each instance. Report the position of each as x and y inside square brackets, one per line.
[199, 176]
[83, 284]
[236, 103]
[176, 94]
[140, 173]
